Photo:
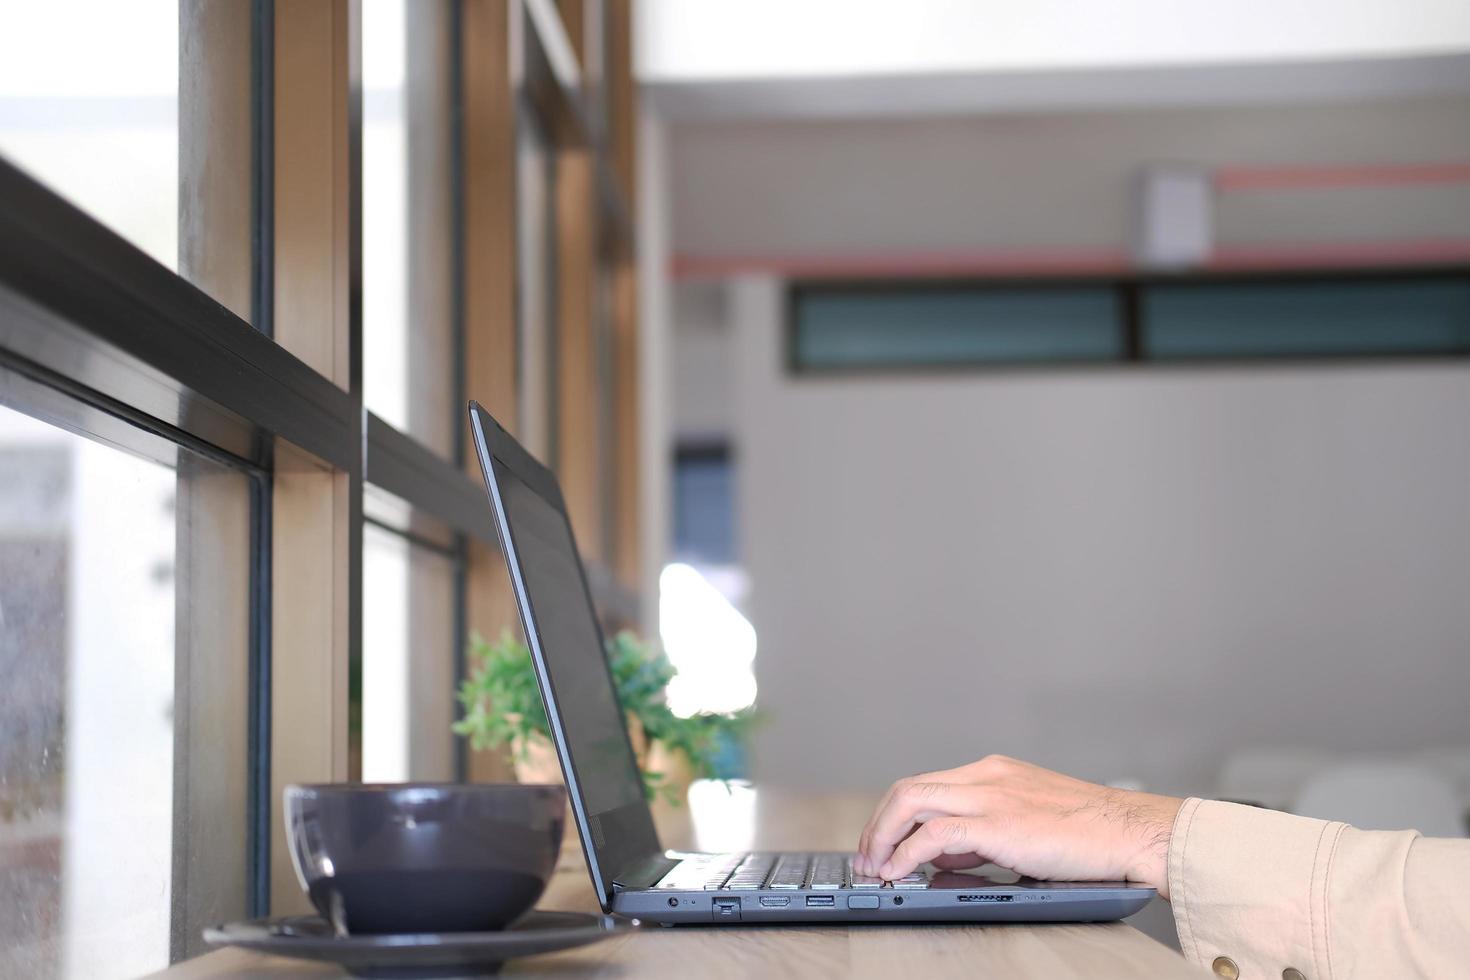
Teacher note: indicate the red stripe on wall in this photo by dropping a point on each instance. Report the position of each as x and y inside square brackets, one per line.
[1340, 255]
[1229, 179]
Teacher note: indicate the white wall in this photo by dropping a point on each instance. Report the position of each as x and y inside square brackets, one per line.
[865, 58]
[738, 39]
[1123, 573]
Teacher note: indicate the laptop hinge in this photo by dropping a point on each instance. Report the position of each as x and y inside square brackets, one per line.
[644, 874]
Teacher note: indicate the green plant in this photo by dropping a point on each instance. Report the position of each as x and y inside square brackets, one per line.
[502, 706]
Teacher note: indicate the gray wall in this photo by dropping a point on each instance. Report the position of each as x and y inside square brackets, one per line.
[1122, 573]
[1049, 180]
[703, 378]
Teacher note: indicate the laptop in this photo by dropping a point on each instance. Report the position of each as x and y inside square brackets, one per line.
[633, 873]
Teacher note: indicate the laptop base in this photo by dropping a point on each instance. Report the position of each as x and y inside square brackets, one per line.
[1064, 903]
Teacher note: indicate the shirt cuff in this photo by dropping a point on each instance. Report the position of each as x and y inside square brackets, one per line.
[1249, 886]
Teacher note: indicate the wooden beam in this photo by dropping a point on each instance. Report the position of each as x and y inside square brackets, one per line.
[622, 99]
[578, 384]
[213, 874]
[627, 557]
[316, 543]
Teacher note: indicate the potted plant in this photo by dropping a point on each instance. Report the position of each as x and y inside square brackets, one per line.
[503, 708]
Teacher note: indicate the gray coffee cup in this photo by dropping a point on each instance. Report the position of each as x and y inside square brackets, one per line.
[418, 858]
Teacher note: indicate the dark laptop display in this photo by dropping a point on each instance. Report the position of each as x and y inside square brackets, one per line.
[567, 648]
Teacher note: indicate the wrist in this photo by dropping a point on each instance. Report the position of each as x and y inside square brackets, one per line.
[1152, 821]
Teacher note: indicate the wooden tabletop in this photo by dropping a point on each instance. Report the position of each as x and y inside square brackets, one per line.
[717, 820]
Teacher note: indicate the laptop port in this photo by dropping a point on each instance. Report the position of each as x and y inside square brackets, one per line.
[726, 908]
[821, 901]
[775, 901]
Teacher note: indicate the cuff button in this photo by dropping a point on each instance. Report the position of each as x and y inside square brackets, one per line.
[1292, 973]
[1225, 967]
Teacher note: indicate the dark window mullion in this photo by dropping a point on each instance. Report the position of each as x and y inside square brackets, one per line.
[1130, 321]
[459, 399]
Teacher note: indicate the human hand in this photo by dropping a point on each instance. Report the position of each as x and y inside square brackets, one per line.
[1031, 820]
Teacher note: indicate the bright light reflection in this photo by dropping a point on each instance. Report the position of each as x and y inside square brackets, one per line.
[710, 643]
[723, 814]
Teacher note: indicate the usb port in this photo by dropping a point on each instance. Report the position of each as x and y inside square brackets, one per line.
[821, 901]
[775, 901]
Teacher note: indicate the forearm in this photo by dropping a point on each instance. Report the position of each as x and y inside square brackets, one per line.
[1272, 892]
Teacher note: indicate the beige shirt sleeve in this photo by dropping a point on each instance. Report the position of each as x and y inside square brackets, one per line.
[1257, 894]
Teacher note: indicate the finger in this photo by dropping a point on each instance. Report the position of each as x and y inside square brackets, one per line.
[865, 838]
[957, 862]
[943, 835]
[916, 803]
[861, 863]
[865, 865]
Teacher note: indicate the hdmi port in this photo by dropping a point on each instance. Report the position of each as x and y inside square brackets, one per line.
[821, 900]
[775, 901]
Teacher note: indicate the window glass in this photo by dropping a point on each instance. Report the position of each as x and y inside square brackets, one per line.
[408, 358]
[408, 660]
[1391, 316]
[89, 93]
[704, 507]
[857, 328]
[92, 106]
[122, 749]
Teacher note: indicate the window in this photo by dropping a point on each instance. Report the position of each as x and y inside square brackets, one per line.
[70, 98]
[846, 328]
[99, 115]
[123, 716]
[834, 328]
[412, 568]
[239, 544]
[407, 201]
[1306, 319]
[408, 591]
[704, 505]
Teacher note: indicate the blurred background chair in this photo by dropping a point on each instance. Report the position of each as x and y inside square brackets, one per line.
[1270, 776]
[1385, 795]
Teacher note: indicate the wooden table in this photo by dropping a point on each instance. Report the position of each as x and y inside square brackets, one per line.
[718, 821]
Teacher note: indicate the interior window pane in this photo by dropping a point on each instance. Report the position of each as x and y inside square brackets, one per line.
[1402, 316]
[704, 507]
[122, 748]
[847, 328]
[408, 660]
[406, 204]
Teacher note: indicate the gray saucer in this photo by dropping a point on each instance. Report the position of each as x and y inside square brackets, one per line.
[439, 954]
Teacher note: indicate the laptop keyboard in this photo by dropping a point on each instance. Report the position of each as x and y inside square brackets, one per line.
[756, 871]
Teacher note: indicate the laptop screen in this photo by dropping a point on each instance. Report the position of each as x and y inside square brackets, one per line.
[571, 645]
[587, 721]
